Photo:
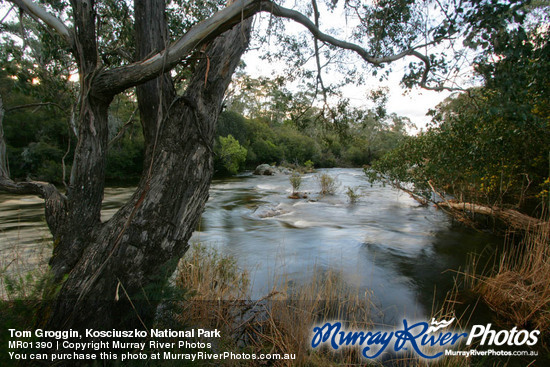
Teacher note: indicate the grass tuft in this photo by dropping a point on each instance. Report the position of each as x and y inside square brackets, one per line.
[518, 291]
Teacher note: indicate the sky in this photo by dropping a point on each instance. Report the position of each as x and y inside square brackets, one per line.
[413, 104]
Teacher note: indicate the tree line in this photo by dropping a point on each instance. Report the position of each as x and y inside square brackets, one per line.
[254, 129]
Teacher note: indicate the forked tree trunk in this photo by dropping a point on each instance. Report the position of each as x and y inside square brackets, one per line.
[113, 271]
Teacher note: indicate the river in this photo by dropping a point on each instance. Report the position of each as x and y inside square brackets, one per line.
[385, 242]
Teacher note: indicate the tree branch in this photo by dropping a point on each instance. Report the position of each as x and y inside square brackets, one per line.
[4, 171]
[376, 61]
[323, 37]
[55, 201]
[317, 56]
[51, 21]
[30, 105]
[118, 79]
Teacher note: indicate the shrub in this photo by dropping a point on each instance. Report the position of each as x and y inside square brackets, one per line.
[295, 180]
[328, 184]
[231, 153]
[352, 194]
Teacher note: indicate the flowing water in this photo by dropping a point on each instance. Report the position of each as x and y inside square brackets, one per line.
[385, 242]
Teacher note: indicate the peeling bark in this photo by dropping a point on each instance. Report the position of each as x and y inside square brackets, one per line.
[132, 255]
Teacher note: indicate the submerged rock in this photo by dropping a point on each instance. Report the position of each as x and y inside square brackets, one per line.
[265, 170]
[298, 195]
[269, 170]
[269, 211]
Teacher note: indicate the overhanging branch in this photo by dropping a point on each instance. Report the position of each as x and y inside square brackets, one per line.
[30, 105]
[376, 61]
[36, 11]
[55, 201]
[118, 79]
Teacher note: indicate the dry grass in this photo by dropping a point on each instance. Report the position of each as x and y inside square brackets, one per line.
[291, 316]
[281, 322]
[519, 291]
[24, 272]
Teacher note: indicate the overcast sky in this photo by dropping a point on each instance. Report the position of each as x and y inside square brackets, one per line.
[414, 104]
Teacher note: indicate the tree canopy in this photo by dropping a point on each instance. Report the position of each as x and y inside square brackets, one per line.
[489, 145]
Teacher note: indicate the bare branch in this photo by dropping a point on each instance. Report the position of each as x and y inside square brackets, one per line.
[323, 37]
[424, 81]
[4, 171]
[55, 201]
[30, 105]
[314, 29]
[124, 128]
[317, 56]
[6, 15]
[51, 21]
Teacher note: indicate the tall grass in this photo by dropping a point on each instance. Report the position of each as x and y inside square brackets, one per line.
[519, 289]
[24, 273]
[296, 181]
[280, 322]
[353, 195]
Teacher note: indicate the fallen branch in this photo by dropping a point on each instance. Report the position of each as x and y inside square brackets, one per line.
[418, 198]
[510, 217]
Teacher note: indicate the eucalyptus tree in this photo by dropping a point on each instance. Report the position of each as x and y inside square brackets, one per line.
[489, 147]
[103, 267]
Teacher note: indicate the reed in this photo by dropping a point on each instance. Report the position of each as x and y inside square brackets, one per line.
[327, 184]
[281, 322]
[518, 290]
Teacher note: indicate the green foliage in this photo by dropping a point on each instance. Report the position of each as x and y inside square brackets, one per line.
[275, 125]
[489, 145]
[35, 130]
[352, 194]
[125, 159]
[296, 147]
[309, 165]
[231, 153]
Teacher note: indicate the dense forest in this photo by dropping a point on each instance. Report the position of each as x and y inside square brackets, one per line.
[263, 123]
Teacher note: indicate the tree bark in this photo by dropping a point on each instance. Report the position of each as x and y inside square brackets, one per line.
[4, 172]
[115, 270]
[512, 218]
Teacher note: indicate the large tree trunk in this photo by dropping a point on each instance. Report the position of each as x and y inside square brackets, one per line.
[108, 268]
